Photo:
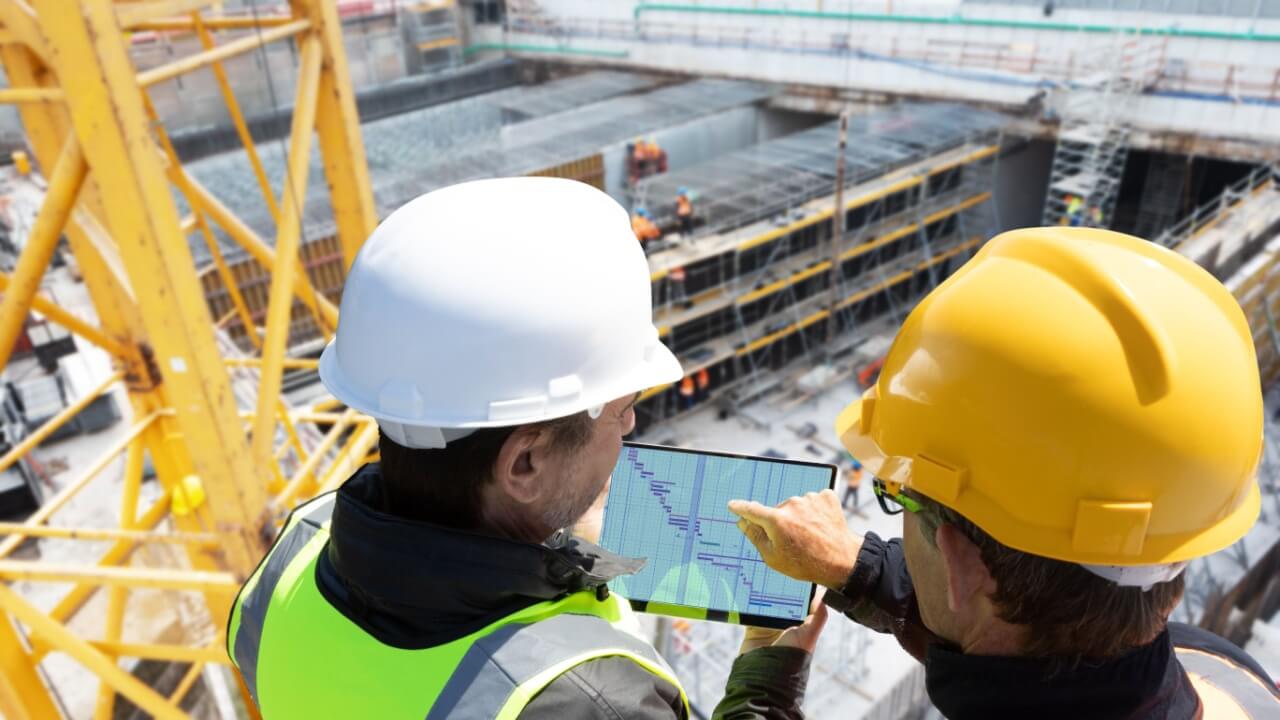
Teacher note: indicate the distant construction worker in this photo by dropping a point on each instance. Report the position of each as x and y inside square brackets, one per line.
[688, 392]
[853, 481]
[643, 226]
[1075, 210]
[676, 278]
[638, 159]
[684, 211]
[704, 384]
[1052, 495]
[446, 581]
[657, 157]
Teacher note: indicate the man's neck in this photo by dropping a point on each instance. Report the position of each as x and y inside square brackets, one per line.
[501, 520]
[994, 637]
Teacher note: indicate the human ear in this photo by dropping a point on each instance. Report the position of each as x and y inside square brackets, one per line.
[968, 580]
[519, 466]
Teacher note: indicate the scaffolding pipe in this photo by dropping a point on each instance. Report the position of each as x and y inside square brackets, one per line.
[240, 46]
[837, 225]
[64, 187]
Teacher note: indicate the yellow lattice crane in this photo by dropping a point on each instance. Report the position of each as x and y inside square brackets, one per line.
[111, 174]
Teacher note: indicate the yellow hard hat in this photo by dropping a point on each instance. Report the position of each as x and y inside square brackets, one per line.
[1078, 394]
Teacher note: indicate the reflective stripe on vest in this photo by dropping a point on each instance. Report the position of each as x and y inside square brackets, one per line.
[500, 674]
[251, 605]
[1226, 690]
[300, 656]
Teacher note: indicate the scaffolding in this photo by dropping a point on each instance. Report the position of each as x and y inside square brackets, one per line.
[745, 303]
[225, 472]
[432, 35]
[773, 178]
[414, 153]
[1089, 158]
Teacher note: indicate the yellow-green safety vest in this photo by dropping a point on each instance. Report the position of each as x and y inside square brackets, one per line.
[300, 657]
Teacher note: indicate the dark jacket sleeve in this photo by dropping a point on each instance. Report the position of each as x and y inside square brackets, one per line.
[879, 594]
[764, 683]
[609, 688]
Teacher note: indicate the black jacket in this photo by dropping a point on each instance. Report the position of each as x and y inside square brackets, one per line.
[416, 585]
[1147, 683]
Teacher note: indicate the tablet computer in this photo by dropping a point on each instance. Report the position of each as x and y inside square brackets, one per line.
[670, 506]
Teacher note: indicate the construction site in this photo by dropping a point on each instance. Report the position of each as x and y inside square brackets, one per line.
[184, 185]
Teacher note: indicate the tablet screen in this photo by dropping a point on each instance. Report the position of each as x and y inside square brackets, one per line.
[670, 506]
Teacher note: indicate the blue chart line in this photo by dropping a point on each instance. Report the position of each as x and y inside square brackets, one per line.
[672, 508]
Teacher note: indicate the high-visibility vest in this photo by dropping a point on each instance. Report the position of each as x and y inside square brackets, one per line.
[677, 273]
[684, 208]
[704, 380]
[686, 386]
[1227, 691]
[302, 658]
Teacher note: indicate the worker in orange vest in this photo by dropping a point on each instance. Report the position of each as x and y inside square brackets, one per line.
[853, 481]
[704, 385]
[644, 227]
[686, 392]
[684, 210]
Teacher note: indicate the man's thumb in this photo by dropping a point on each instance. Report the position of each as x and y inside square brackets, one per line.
[757, 535]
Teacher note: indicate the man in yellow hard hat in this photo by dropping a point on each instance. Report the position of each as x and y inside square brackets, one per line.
[1067, 421]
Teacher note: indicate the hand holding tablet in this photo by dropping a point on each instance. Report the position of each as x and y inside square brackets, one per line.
[671, 506]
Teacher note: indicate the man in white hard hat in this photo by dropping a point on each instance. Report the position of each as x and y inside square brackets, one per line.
[501, 353]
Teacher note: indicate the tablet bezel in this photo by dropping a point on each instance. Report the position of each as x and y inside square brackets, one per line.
[724, 616]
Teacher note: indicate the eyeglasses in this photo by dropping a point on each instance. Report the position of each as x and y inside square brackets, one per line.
[891, 498]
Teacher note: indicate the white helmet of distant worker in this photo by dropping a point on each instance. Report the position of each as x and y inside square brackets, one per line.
[495, 303]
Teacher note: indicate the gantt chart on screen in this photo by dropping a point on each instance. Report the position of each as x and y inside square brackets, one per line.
[672, 508]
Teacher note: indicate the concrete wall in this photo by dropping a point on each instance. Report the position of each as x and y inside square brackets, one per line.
[688, 144]
[1022, 178]
[708, 137]
[1209, 84]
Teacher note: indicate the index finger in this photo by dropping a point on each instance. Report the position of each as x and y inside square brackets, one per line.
[753, 511]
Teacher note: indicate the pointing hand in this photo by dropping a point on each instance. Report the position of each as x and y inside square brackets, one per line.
[804, 537]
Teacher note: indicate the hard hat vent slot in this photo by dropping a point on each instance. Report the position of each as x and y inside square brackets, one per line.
[566, 387]
[938, 480]
[1110, 527]
[518, 410]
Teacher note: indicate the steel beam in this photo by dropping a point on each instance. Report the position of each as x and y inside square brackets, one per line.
[105, 100]
[104, 667]
[342, 147]
[64, 186]
[23, 695]
[288, 239]
[236, 47]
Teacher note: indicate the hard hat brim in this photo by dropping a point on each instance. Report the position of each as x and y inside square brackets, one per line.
[660, 367]
[864, 448]
[856, 438]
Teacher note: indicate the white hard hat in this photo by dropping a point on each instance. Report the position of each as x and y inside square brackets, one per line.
[495, 303]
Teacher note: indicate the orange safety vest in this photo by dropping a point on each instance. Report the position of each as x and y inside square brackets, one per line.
[684, 208]
[704, 380]
[677, 274]
[643, 228]
[686, 386]
[854, 478]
